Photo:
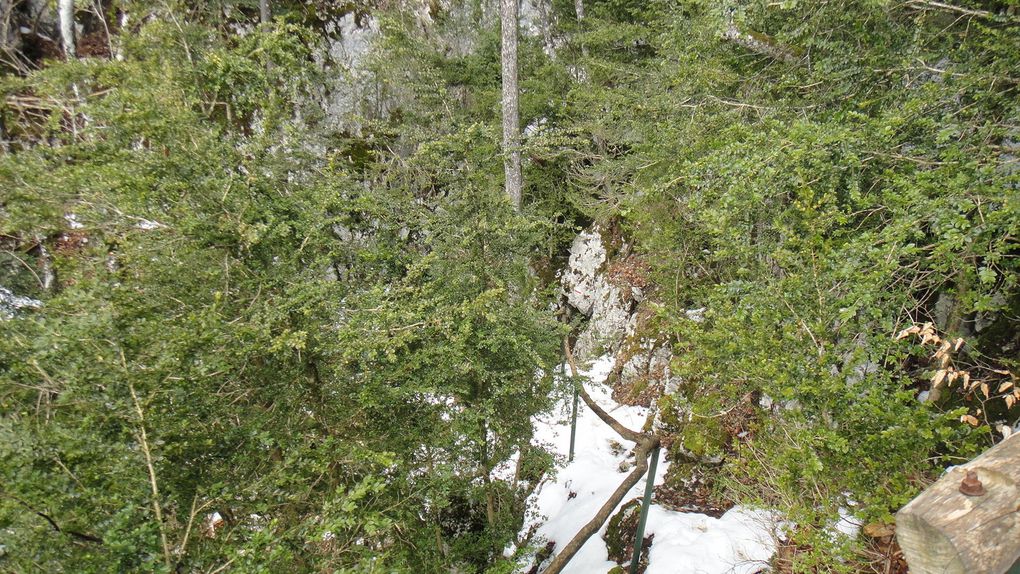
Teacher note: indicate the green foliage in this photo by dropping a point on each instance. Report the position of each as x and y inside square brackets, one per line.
[332, 336]
[309, 412]
[815, 209]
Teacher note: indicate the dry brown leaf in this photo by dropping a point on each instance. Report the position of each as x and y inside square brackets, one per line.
[966, 381]
[1001, 371]
[986, 390]
[879, 530]
[1005, 387]
[937, 379]
[943, 352]
[958, 344]
[1010, 400]
[970, 420]
[1006, 431]
[907, 332]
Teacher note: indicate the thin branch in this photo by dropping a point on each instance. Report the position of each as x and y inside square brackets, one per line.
[957, 9]
[191, 521]
[152, 476]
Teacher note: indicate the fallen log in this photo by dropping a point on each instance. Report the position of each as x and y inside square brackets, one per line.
[968, 522]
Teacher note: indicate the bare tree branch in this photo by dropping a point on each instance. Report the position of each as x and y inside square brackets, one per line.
[646, 442]
[602, 414]
[958, 9]
[593, 525]
[53, 523]
[156, 507]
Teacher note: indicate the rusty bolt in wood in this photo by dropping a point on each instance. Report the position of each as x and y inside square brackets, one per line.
[971, 486]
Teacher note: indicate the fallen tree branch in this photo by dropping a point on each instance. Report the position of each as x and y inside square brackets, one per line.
[646, 442]
[593, 525]
[958, 9]
[602, 414]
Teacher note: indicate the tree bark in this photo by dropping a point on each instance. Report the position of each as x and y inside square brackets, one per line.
[511, 116]
[545, 11]
[265, 14]
[67, 29]
[579, 9]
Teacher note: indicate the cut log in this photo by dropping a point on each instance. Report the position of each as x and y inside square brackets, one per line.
[944, 531]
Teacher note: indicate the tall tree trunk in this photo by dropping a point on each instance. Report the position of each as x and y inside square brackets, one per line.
[511, 117]
[265, 15]
[579, 10]
[67, 31]
[123, 17]
[545, 12]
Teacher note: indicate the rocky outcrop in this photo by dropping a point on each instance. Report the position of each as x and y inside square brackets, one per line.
[610, 289]
[353, 92]
[608, 305]
[642, 371]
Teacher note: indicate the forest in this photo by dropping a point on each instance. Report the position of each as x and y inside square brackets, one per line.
[319, 285]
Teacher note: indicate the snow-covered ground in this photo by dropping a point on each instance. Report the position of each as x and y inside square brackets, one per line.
[740, 542]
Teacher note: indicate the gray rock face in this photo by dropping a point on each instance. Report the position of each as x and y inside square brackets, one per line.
[587, 288]
[645, 374]
[345, 55]
[353, 92]
[11, 303]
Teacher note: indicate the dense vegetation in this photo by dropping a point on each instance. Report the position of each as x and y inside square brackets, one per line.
[330, 337]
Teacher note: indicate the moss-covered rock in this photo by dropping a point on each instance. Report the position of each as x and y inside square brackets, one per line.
[620, 537]
[704, 439]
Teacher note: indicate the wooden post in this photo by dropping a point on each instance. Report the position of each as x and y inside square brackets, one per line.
[944, 531]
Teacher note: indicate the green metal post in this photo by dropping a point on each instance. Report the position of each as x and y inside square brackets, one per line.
[573, 425]
[639, 537]
[1015, 569]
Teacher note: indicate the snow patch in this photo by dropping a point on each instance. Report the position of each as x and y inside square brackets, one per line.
[742, 541]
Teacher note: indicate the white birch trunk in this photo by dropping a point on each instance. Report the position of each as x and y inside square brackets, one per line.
[511, 117]
[65, 12]
[265, 15]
